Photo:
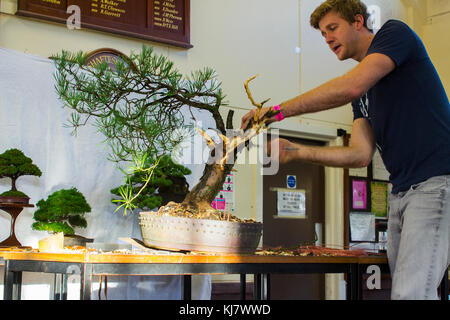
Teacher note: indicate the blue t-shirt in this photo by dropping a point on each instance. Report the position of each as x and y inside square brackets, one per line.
[408, 110]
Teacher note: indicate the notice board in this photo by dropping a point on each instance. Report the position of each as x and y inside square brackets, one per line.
[165, 21]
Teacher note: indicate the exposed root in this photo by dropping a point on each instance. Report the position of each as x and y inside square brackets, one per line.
[197, 211]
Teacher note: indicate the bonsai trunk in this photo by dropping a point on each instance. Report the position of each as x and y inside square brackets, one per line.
[13, 183]
[209, 185]
[197, 203]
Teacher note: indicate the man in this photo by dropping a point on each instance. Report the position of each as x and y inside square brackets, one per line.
[400, 107]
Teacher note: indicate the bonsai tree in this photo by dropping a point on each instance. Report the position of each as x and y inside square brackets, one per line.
[168, 179]
[61, 212]
[139, 105]
[14, 164]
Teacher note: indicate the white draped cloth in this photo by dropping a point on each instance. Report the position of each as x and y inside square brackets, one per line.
[32, 119]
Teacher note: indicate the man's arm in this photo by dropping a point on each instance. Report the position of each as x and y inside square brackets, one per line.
[343, 89]
[336, 92]
[357, 155]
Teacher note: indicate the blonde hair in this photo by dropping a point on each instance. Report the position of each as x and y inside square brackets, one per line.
[347, 9]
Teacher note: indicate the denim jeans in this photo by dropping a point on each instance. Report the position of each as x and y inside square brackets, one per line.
[418, 238]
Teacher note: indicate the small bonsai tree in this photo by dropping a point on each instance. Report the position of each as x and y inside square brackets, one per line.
[14, 164]
[167, 179]
[61, 212]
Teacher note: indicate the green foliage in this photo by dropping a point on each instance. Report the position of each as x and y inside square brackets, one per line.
[147, 185]
[11, 193]
[61, 212]
[53, 227]
[137, 106]
[14, 164]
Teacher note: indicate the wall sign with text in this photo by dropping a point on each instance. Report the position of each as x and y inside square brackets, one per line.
[166, 21]
[108, 55]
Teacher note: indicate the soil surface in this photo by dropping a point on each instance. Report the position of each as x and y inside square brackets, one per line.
[199, 211]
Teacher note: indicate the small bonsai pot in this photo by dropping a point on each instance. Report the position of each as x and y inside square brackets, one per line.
[76, 240]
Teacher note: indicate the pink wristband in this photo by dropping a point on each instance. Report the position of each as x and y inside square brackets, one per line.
[279, 116]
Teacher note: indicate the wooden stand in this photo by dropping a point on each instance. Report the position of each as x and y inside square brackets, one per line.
[14, 209]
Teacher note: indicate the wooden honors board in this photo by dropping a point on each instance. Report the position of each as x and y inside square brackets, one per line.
[166, 21]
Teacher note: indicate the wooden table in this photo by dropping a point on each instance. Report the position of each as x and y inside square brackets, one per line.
[90, 265]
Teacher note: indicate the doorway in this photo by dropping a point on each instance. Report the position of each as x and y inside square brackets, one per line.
[291, 232]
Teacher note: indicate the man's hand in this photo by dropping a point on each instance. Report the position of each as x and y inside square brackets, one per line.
[249, 116]
[282, 150]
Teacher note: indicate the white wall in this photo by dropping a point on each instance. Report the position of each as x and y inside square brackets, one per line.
[436, 37]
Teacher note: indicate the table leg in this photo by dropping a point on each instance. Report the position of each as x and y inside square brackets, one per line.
[12, 287]
[257, 287]
[266, 286]
[361, 271]
[17, 285]
[243, 287]
[348, 282]
[353, 282]
[261, 286]
[85, 282]
[444, 287]
[64, 286]
[8, 283]
[55, 286]
[186, 287]
[60, 286]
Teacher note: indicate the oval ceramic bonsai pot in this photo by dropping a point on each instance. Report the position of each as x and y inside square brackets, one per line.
[189, 234]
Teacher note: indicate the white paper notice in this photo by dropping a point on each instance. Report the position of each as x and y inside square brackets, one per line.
[362, 226]
[291, 203]
[358, 172]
